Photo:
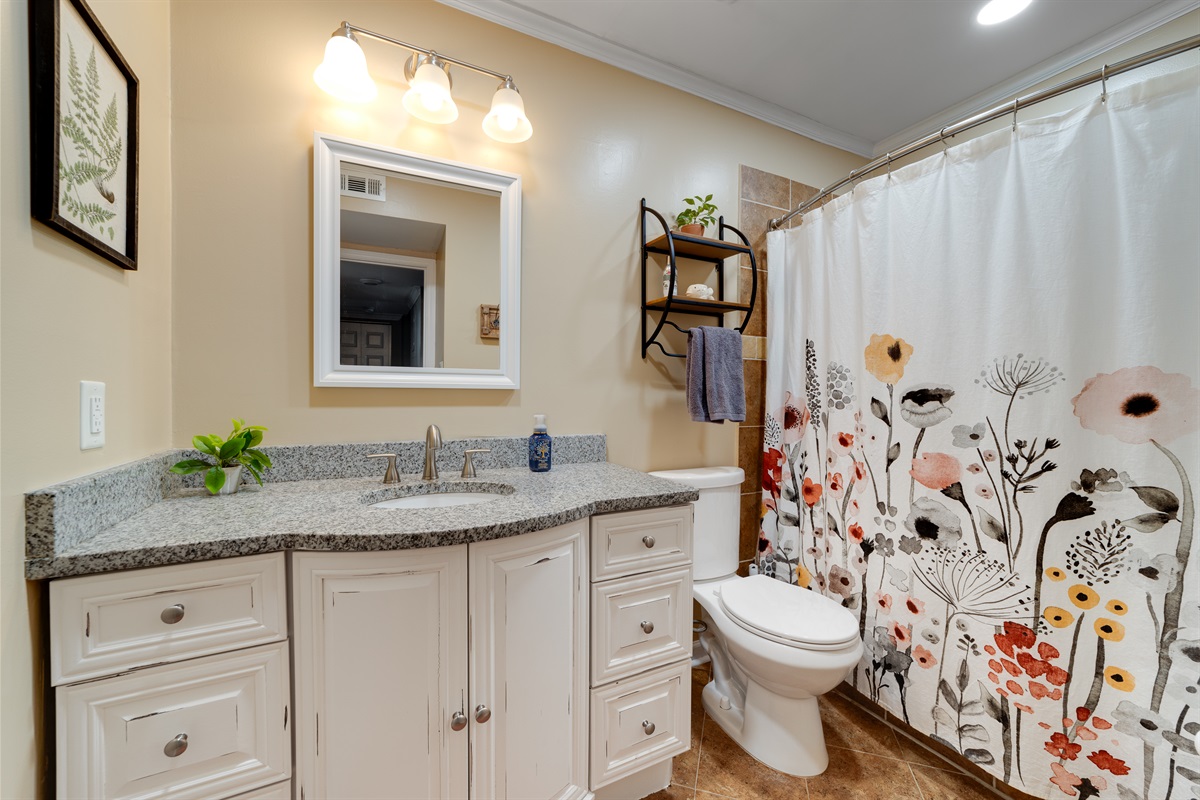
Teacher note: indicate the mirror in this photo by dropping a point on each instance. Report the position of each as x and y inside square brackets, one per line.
[416, 270]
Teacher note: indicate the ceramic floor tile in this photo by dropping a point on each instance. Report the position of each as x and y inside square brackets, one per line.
[939, 784]
[858, 776]
[726, 770]
[915, 753]
[849, 727]
[683, 771]
[674, 792]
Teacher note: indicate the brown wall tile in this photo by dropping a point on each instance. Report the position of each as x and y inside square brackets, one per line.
[750, 457]
[764, 187]
[758, 317]
[754, 374]
[755, 219]
[801, 193]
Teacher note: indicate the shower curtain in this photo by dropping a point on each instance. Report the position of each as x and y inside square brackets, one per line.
[981, 438]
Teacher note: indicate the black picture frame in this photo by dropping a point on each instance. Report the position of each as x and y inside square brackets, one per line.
[96, 198]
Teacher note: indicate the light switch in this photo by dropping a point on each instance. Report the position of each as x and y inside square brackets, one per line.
[91, 415]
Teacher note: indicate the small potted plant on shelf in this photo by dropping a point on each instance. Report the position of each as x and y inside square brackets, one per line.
[223, 472]
[700, 211]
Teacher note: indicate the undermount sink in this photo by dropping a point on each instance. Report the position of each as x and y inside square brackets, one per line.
[438, 500]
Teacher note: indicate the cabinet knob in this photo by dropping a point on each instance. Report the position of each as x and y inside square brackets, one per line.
[171, 615]
[458, 721]
[176, 747]
[482, 713]
[648, 727]
[648, 541]
[647, 626]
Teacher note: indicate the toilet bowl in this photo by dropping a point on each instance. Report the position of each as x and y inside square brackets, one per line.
[775, 648]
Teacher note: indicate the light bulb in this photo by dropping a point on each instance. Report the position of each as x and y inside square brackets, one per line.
[506, 121]
[428, 96]
[343, 73]
[431, 101]
[1001, 10]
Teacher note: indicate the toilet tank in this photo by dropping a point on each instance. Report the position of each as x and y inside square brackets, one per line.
[715, 533]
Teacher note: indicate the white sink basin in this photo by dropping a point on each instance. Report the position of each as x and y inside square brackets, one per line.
[438, 500]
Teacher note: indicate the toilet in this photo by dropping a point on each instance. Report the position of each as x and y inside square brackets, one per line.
[775, 648]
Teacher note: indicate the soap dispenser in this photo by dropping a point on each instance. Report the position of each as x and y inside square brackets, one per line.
[539, 445]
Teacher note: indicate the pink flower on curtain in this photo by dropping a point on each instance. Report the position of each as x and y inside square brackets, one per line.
[793, 418]
[1138, 404]
[936, 470]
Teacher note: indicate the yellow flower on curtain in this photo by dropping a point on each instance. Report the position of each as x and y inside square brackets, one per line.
[886, 357]
[803, 576]
[1118, 679]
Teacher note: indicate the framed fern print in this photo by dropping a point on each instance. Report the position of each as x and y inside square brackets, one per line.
[84, 125]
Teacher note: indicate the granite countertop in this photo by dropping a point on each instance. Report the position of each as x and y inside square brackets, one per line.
[334, 514]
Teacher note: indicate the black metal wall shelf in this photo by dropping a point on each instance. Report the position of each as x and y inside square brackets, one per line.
[675, 245]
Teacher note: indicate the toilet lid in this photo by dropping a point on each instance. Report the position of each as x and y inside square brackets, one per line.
[788, 614]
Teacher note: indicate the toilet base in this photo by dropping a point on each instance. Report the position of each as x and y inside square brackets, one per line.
[782, 732]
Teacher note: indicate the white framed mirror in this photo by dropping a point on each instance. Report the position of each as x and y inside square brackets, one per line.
[411, 257]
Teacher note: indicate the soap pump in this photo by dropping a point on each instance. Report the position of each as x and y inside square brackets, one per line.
[539, 445]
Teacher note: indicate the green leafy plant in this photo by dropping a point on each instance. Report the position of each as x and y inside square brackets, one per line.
[240, 447]
[700, 211]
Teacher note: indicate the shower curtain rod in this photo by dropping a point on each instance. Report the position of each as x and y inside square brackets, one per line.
[1096, 76]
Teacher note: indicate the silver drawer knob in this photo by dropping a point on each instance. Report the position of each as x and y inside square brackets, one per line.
[176, 747]
[648, 541]
[648, 727]
[482, 713]
[647, 626]
[171, 615]
[458, 721]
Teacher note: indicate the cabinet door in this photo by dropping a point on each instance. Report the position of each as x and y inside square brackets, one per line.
[381, 653]
[529, 665]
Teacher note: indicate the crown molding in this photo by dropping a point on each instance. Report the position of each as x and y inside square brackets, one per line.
[539, 26]
[1115, 36]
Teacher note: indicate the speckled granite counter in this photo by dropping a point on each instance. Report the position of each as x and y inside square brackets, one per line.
[332, 514]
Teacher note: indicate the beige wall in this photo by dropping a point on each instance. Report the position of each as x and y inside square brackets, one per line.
[67, 315]
[602, 139]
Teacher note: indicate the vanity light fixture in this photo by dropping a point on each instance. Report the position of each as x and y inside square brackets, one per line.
[1001, 10]
[344, 75]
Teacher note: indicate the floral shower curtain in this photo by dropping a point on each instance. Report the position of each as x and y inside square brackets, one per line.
[982, 439]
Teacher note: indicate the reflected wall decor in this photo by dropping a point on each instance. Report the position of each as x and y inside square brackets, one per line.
[84, 120]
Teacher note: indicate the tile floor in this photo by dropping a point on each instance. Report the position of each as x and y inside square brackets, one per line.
[867, 761]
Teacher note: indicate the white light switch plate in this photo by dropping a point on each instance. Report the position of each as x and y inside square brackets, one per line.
[91, 415]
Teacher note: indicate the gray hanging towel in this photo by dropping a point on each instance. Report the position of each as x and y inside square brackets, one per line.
[715, 386]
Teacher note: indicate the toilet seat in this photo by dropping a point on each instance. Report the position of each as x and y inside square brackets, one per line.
[788, 614]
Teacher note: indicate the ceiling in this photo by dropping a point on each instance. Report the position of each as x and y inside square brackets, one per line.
[384, 230]
[864, 75]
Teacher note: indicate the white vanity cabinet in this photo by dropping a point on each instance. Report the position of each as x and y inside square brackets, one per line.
[448, 672]
[641, 646]
[173, 681]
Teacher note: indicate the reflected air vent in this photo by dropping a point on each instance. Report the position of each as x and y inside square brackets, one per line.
[364, 184]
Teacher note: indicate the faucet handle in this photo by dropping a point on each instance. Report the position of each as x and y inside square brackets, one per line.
[469, 463]
[391, 475]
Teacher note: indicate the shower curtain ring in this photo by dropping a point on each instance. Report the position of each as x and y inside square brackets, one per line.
[945, 147]
[1015, 103]
[889, 163]
[1104, 84]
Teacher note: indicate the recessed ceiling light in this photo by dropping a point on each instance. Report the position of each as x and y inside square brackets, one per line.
[370, 281]
[1000, 10]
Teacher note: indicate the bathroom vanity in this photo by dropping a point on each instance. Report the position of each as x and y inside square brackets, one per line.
[536, 645]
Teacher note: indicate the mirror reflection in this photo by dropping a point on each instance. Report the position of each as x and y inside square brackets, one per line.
[419, 258]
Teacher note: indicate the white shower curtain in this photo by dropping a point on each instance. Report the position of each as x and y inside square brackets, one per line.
[981, 438]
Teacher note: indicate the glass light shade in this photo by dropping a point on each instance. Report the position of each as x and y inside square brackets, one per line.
[428, 96]
[506, 122]
[343, 73]
[1001, 10]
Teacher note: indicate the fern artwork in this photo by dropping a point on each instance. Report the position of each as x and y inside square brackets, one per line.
[92, 129]
[84, 108]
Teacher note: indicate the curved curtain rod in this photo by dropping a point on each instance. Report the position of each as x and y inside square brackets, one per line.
[1012, 107]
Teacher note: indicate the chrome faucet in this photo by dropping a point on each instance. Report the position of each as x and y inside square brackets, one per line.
[433, 443]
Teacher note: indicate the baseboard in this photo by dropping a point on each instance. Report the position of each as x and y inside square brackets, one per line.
[951, 757]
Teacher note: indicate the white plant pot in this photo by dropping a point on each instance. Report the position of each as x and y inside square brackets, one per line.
[233, 479]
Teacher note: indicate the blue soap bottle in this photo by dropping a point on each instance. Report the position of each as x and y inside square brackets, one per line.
[539, 445]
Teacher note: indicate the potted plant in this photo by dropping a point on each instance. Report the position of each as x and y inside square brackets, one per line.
[223, 472]
[700, 211]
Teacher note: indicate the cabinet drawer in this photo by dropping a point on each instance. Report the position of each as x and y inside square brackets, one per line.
[122, 738]
[278, 791]
[624, 610]
[104, 624]
[640, 541]
[639, 722]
